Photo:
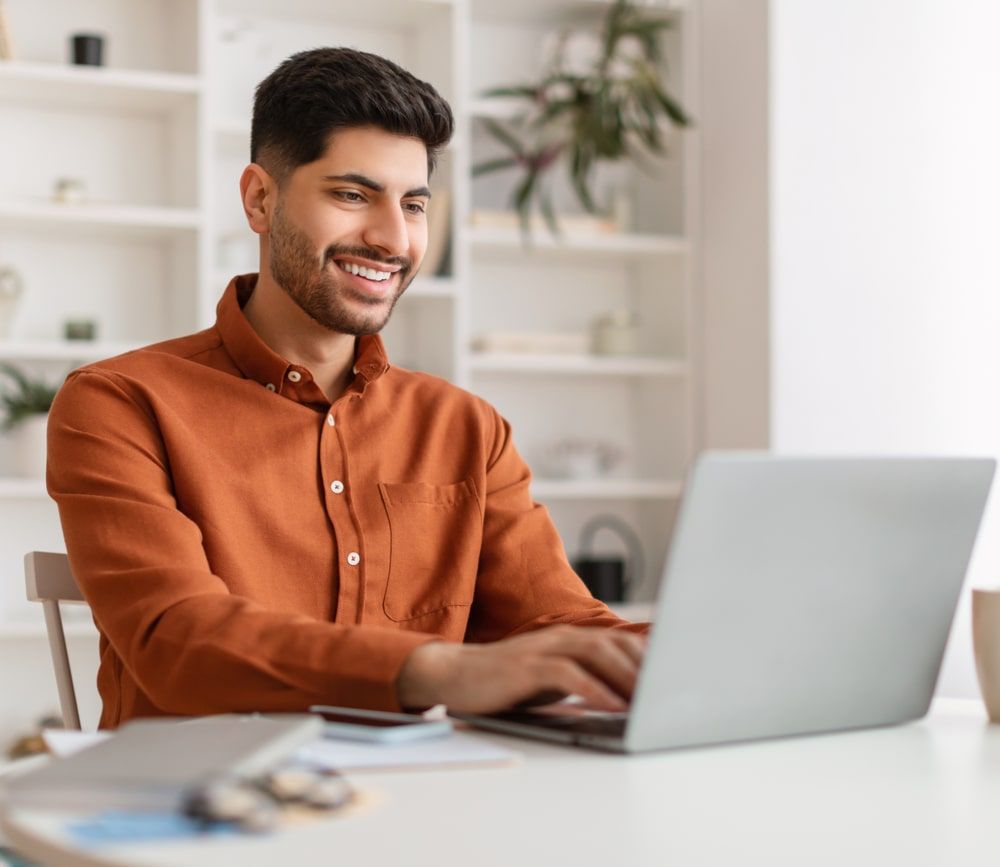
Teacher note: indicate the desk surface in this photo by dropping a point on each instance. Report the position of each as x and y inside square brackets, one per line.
[927, 793]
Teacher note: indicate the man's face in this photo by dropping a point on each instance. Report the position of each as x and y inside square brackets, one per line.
[360, 208]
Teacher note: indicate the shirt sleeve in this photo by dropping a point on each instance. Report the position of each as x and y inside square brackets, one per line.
[191, 645]
[525, 581]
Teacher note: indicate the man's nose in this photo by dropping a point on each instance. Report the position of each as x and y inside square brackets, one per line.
[386, 230]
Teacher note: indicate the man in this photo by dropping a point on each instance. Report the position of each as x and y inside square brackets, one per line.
[267, 515]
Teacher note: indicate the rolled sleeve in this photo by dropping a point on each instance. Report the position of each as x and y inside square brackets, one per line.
[525, 581]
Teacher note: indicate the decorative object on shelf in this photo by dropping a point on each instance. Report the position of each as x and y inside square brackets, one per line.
[986, 645]
[608, 578]
[615, 333]
[69, 191]
[80, 329]
[87, 49]
[11, 290]
[6, 46]
[531, 342]
[581, 459]
[607, 108]
[622, 209]
[26, 416]
[33, 744]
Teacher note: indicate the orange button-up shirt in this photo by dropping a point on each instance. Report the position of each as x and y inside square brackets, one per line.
[245, 545]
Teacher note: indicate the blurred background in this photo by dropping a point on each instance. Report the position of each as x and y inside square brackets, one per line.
[783, 238]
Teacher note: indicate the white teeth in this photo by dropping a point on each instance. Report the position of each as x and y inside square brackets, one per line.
[370, 273]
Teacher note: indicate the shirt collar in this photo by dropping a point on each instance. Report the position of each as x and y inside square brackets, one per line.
[256, 360]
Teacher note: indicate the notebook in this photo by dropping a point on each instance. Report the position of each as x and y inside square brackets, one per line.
[155, 764]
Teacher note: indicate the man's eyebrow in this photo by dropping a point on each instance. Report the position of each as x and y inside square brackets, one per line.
[365, 181]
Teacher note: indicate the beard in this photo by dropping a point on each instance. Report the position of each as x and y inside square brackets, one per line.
[314, 285]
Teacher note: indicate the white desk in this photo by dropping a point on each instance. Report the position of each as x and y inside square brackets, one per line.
[923, 794]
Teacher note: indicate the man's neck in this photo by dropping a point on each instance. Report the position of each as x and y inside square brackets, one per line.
[295, 335]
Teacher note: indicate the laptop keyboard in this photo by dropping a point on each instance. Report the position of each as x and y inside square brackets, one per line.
[612, 725]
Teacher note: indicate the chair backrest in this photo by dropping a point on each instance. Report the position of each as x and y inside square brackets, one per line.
[48, 579]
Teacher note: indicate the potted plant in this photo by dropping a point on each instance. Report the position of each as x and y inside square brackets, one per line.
[610, 106]
[26, 407]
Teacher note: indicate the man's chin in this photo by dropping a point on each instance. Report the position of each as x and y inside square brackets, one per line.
[359, 326]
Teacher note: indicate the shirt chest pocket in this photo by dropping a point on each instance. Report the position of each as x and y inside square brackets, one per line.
[436, 532]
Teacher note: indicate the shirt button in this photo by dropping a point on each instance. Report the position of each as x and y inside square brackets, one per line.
[329, 420]
[270, 386]
[353, 558]
[294, 375]
[337, 487]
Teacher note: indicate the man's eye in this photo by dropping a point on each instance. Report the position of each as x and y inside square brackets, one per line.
[349, 196]
[416, 207]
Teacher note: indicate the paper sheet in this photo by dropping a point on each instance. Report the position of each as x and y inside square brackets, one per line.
[64, 743]
[458, 749]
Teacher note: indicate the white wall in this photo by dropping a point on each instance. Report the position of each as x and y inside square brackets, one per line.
[885, 186]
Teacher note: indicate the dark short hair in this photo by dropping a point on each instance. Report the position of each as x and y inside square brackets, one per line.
[314, 93]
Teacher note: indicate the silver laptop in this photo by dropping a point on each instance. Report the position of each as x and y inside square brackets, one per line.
[801, 595]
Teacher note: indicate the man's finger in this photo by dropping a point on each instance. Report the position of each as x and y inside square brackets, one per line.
[633, 645]
[608, 662]
[567, 676]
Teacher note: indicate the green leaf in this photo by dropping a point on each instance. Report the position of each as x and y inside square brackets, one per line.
[504, 135]
[549, 212]
[522, 200]
[494, 165]
[525, 90]
[580, 175]
[32, 397]
[672, 108]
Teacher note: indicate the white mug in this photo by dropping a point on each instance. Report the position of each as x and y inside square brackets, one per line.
[986, 644]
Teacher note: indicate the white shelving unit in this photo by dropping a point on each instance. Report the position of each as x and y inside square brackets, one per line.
[577, 365]
[159, 138]
[630, 246]
[95, 88]
[113, 221]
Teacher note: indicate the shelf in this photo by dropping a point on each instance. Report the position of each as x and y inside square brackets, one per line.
[63, 350]
[372, 13]
[556, 13]
[584, 365]
[108, 220]
[27, 629]
[604, 489]
[75, 87]
[23, 489]
[542, 243]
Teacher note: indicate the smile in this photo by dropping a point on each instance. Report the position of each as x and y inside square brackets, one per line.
[369, 273]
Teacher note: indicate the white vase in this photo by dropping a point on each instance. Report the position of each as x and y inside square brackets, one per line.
[11, 289]
[26, 442]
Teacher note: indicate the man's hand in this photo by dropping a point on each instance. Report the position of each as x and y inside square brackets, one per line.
[598, 664]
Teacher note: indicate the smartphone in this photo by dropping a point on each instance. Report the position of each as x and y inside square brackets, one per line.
[377, 726]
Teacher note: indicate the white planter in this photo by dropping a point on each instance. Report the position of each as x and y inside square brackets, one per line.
[26, 448]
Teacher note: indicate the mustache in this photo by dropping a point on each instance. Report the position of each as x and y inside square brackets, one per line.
[404, 262]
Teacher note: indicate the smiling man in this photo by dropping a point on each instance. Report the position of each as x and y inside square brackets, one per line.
[267, 514]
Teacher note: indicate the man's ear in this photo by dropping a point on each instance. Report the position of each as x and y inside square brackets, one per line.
[258, 191]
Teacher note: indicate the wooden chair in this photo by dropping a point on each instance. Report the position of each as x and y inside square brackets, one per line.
[49, 580]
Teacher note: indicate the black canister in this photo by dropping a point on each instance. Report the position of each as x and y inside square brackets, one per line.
[609, 578]
[88, 49]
